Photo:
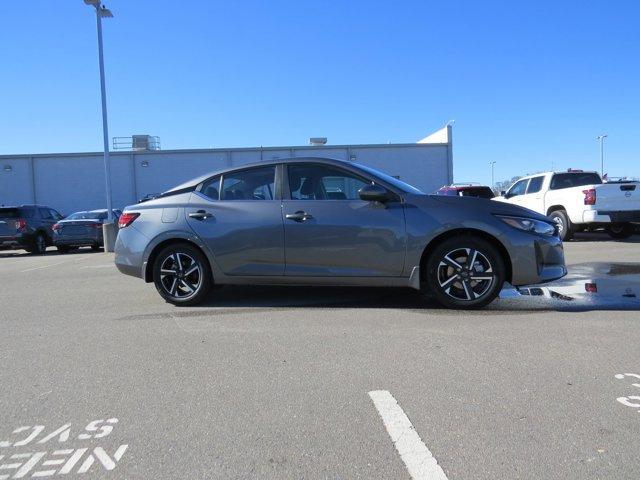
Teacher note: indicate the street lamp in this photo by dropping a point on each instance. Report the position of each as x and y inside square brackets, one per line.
[108, 228]
[601, 138]
[493, 183]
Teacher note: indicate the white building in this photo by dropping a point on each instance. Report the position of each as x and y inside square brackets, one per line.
[70, 182]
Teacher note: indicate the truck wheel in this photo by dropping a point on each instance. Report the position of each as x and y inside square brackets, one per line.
[465, 272]
[620, 230]
[565, 229]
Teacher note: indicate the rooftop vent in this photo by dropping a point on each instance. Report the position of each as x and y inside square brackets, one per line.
[317, 141]
[137, 143]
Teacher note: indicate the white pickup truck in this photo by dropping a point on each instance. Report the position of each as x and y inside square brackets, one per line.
[576, 200]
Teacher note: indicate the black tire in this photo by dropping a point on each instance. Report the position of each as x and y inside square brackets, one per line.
[565, 228]
[620, 231]
[95, 248]
[181, 258]
[450, 275]
[39, 245]
[62, 249]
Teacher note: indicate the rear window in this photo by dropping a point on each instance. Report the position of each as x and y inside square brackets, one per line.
[535, 184]
[574, 179]
[87, 216]
[13, 212]
[480, 192]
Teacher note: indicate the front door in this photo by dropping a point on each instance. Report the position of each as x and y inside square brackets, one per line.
[329, 231]
[239, 217]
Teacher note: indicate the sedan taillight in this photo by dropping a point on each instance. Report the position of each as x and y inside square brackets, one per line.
[589, 196]
[127, 219]
[56, 227]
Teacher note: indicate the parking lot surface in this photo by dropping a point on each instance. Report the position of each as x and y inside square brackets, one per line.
[102, 379]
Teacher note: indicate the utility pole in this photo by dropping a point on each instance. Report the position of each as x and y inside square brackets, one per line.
[493, 183]
[109, 231]
[601, 138]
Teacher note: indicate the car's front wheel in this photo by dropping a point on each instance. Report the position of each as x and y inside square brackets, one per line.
[565, 228]
[182, 275]
[465, 272]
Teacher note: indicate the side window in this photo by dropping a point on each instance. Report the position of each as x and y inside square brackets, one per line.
[211, 188]
[323, 182]
[253, 184]
[45, 213]
[535, 185]
[518, 188]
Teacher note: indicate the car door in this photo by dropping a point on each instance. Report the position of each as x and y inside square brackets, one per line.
[517, 190]
[330, 231]
[47, 221]
[238, 215]
[533, 198]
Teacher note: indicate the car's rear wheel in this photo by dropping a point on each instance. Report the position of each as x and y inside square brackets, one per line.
[565, 228]
[63, 249]
[465, 272]
[182, 275]
[620, 230]
[95, 247]
[39, 245]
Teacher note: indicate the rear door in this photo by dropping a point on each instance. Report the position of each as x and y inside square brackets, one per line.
[329, 231]
[533, 198]
[238, 215]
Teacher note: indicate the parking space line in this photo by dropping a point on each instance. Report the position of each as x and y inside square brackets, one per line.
[419, 461]
[41, 267]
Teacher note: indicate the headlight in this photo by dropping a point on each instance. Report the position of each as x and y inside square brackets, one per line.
[530, 225]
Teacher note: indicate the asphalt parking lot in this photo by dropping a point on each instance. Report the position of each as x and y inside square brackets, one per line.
[102, 379]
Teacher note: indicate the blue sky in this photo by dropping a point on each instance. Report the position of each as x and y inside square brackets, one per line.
[529, 84]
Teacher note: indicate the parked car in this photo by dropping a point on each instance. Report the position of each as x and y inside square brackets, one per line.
[466, 190]
[576, 200]
[27, 227]
[81, 229]
[328, 222]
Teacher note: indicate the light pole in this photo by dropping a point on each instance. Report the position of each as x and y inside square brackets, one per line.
[493, 183]
[601, 138]
[108, 228]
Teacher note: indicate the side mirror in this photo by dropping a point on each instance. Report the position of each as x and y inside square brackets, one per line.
[374, 193]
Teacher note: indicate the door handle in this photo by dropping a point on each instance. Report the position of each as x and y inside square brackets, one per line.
[299, 216]
[200, 215]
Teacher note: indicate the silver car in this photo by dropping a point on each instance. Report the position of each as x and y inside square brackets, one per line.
[318, 221]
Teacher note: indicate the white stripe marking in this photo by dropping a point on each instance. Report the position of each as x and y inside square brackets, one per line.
[43, 266]
[414, 453]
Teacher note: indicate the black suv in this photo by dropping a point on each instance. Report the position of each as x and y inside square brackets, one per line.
[27, 227]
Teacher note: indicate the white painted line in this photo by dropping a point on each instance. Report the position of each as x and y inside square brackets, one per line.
[414, 453]
[41, 267]
[106, 265]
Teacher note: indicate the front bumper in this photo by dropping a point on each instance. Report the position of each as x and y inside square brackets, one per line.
[536, 259]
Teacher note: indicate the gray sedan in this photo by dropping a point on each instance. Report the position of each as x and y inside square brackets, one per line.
[327, 222]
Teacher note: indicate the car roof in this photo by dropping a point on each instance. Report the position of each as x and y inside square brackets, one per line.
[202, 178]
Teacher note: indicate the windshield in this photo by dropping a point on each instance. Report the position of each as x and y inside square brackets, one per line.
[87, 216]
[405, 187]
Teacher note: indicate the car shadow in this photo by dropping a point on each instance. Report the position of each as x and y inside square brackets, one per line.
[584, 237]
[588, 286]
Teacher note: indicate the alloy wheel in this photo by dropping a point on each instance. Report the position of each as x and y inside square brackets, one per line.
[465, 274]
[560, 224]
[180, 275]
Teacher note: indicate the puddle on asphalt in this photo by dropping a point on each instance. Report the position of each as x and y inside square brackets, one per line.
[587, 286]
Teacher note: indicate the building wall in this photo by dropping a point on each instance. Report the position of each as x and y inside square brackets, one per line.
[75, 181]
